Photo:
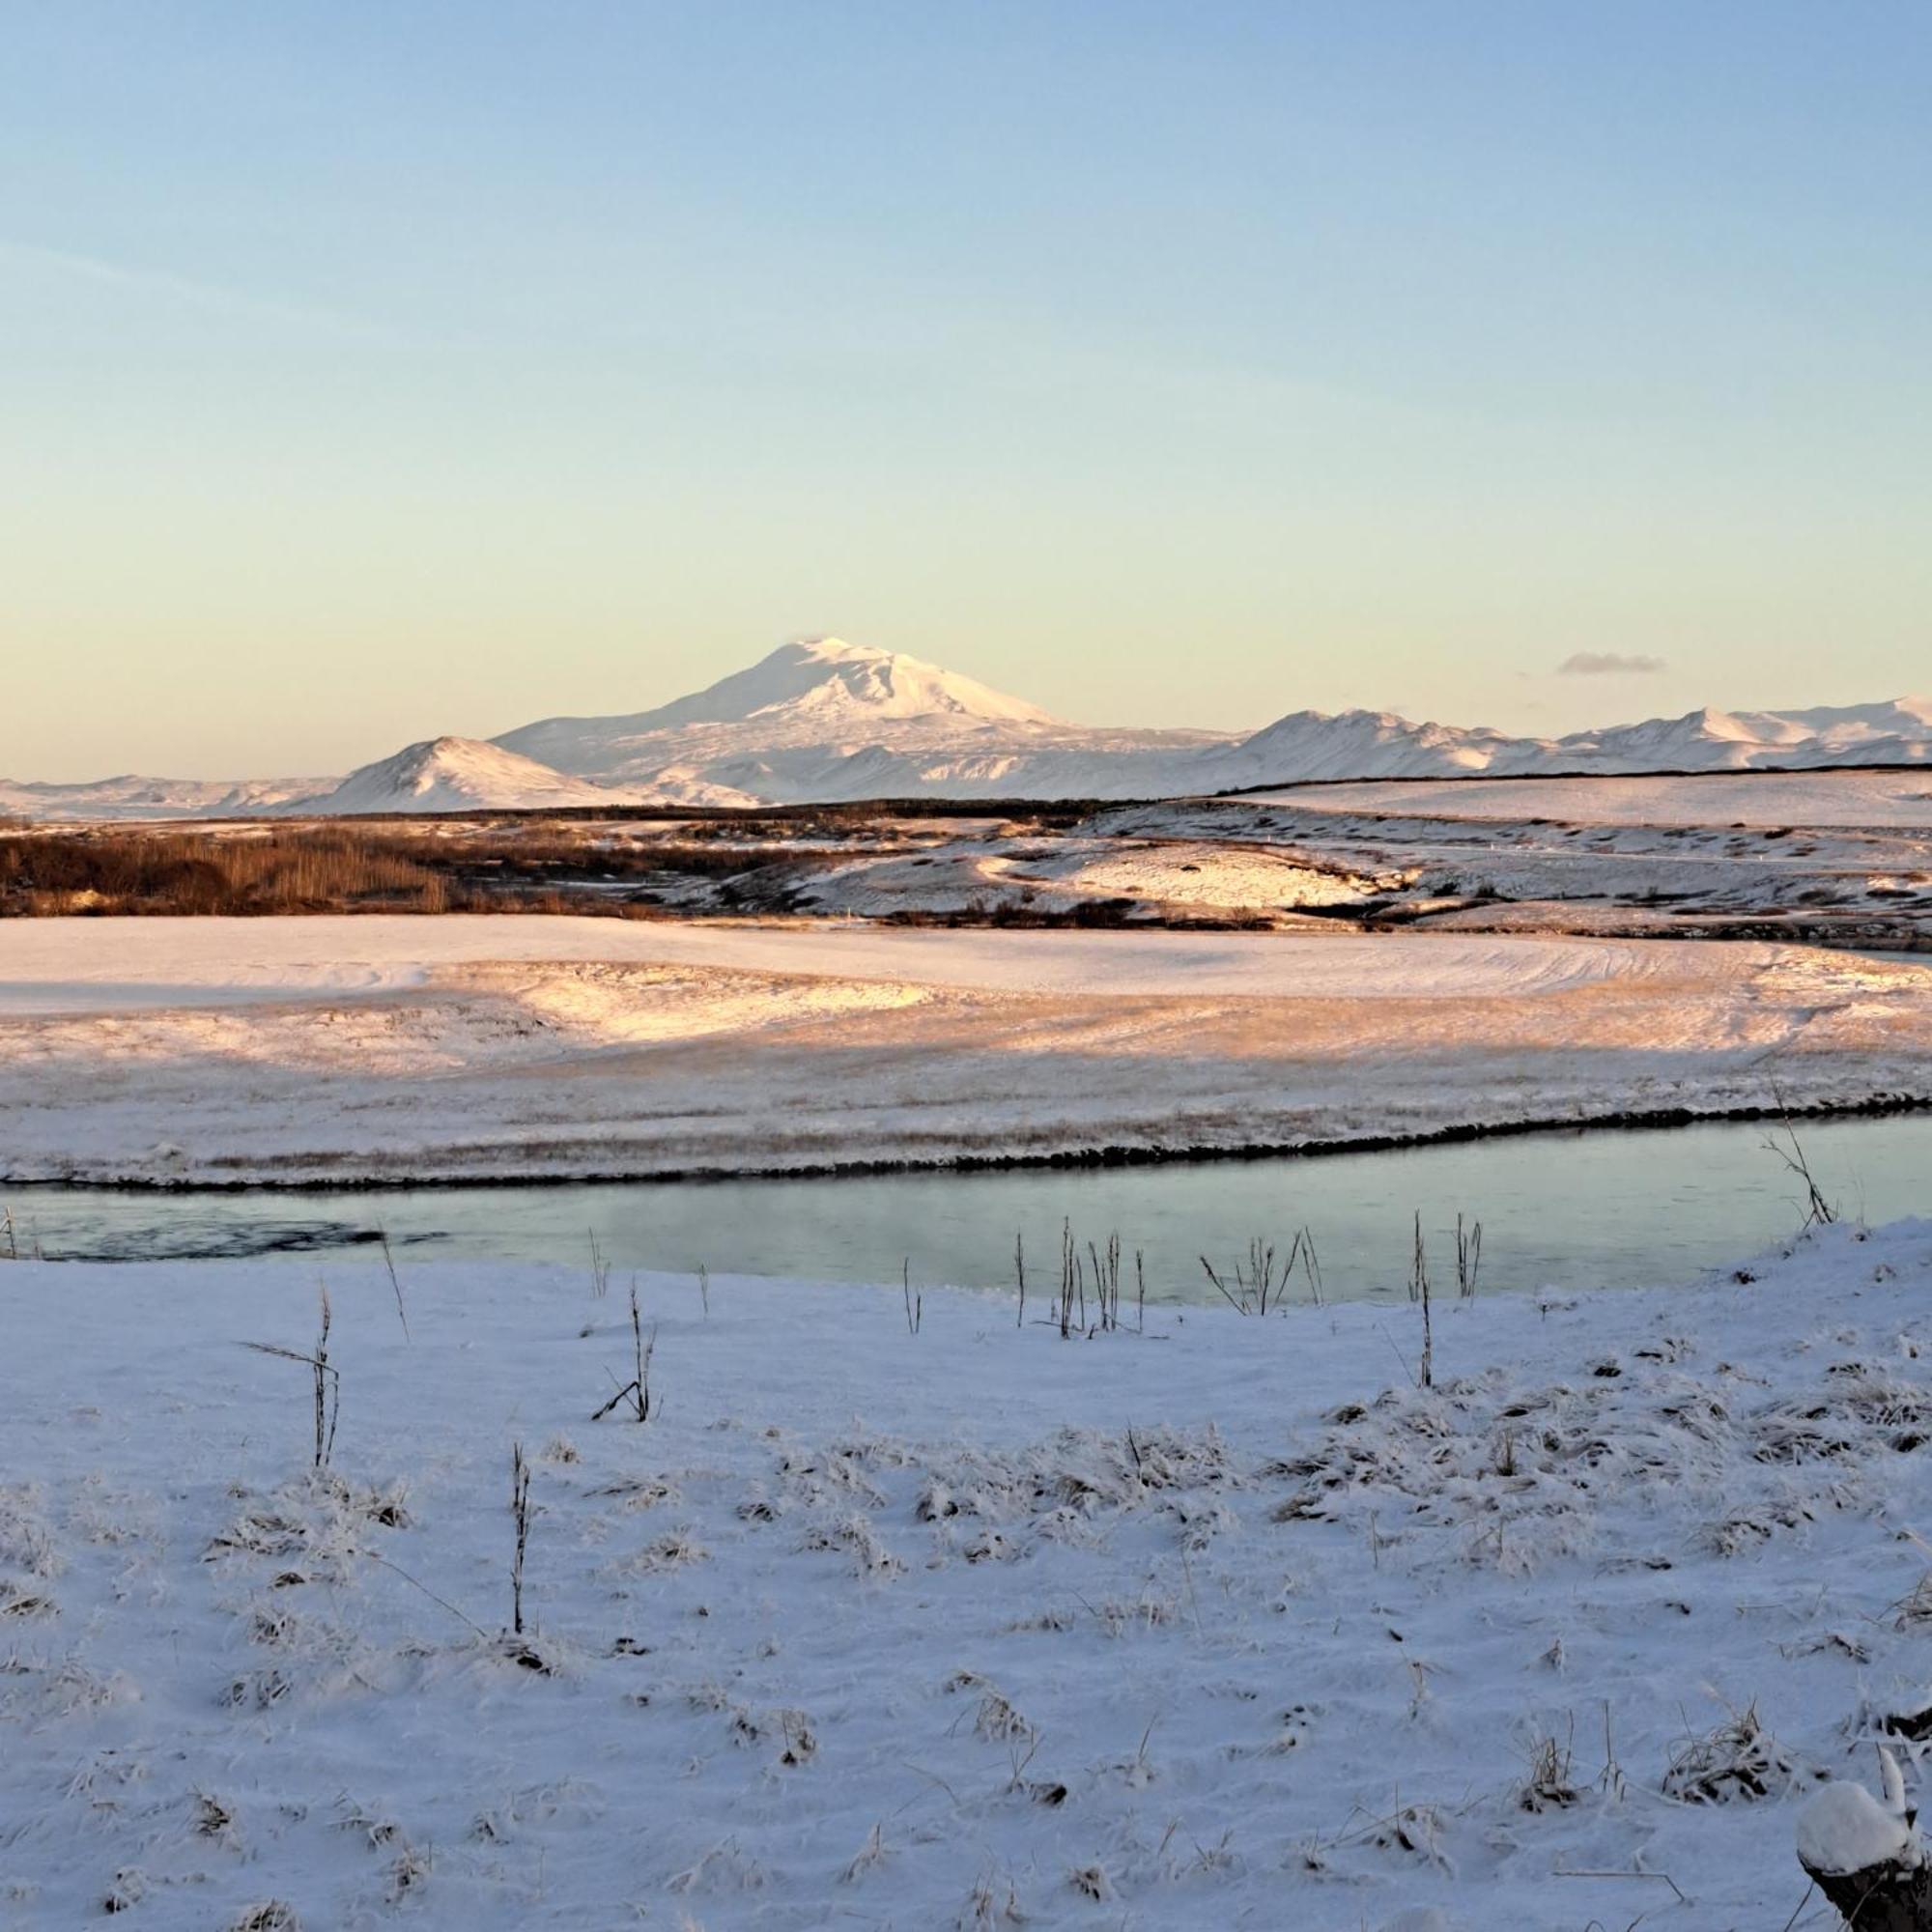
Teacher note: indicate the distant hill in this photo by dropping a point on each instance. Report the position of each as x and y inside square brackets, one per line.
[456, 775]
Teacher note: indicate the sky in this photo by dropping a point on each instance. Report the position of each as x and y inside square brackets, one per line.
[370, 371]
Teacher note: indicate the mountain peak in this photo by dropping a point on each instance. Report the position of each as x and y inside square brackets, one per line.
[809, 689]
[825, 675]
[823, 717]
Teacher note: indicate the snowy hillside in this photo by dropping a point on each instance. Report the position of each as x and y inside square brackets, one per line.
[1319, 745]
[456, 775]
[136, 797]
[823, 719]
[1709, 740]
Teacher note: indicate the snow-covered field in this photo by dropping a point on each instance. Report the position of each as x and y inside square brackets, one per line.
[107, 965]
[1182, 878]
[516, 1046]
[1841, 857]
[1861, 799]
[1224, 1624]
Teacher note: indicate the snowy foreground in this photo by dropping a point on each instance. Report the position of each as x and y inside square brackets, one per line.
[1225, 1624]
[354, 1048]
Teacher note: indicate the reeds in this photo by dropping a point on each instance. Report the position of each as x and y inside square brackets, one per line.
[327, 1381]
[1418, 1291]
[1818, 1211]
[1072, 1284]
[395, 1281]
[1107, 1281]
[1258, 1283]
[520, 1515]
[1468, 1258]
[638, 1390]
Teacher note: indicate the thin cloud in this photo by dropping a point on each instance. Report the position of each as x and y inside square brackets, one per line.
[210, 298]
[1609, 664]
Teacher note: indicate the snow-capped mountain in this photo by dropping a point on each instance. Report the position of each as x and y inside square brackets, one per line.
[826, 720]
[1896, 732]
[1348, 744]
[822, 720]
[801, 693]
[455, 774]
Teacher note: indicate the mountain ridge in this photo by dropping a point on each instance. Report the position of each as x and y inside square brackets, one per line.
[807, 724]
[823, 721]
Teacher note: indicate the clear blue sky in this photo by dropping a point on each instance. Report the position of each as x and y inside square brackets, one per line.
[373, 370]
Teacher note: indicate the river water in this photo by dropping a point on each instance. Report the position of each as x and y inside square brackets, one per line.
[1612, 1207]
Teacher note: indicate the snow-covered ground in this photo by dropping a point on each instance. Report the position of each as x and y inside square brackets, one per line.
[1728, 799]
[1180, 876]
[1225, 1624]
[342, 1049]
[1843, 857]
[102, 965]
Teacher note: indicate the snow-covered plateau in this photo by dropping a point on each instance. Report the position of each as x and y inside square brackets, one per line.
[823, 720]
[519, 1046]
[901, 1610]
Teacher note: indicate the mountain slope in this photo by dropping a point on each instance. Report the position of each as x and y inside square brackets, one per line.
[826, 720]
[812, 683]
[456, 775]
[819, 690]
[1709, 740]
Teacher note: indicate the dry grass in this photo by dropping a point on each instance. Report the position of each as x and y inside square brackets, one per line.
[610, 862]
[147, 872]
[1739, 1760]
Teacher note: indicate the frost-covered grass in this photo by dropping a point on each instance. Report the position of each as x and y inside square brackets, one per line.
[1223, 1623]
